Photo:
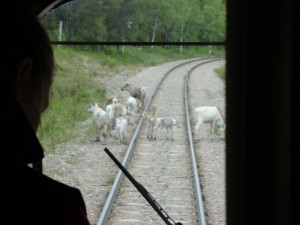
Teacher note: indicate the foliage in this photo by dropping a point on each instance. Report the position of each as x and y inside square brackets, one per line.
[212, 23]
[221, 71]
[139, 20]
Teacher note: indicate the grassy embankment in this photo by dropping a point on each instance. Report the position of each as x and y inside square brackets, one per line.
[74, 86]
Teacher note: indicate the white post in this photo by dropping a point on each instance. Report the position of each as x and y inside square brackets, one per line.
[60, 31]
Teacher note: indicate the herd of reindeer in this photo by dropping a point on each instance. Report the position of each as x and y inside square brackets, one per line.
[113, 121]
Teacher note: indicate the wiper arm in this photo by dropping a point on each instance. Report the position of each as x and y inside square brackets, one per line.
[160, 211]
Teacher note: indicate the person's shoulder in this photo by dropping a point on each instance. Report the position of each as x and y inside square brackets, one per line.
[38, 197]
[23, 180]
[42, 183]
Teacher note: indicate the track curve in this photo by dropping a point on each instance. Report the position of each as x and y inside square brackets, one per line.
[162, 166]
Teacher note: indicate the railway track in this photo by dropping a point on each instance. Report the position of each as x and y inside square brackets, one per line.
[162, 166]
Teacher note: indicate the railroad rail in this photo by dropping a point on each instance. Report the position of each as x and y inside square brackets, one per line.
[170, 182]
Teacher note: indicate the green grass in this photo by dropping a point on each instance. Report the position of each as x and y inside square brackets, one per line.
[76, 82]
[221, 71]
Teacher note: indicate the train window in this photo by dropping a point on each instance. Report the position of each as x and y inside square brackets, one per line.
[173, 52]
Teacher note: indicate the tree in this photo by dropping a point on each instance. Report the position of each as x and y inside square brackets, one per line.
[213, 18]
[139, 20]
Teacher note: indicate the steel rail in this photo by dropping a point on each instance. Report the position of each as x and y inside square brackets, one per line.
[197, 187]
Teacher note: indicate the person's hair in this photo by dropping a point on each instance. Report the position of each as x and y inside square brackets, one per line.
[23, 36]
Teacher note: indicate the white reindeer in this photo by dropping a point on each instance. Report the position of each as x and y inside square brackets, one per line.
[136, 92]
[133, 107]
[111, 100]
[167, 124]
[211, 115]
[150, 118]
[113, 111]
[99, 119]
[121, 128]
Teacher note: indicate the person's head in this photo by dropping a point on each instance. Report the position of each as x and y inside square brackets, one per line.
[26, 59]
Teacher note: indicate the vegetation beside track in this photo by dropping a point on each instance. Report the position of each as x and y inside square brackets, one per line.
[78, 76]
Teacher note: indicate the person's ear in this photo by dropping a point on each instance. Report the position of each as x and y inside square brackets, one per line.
[22, 75]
